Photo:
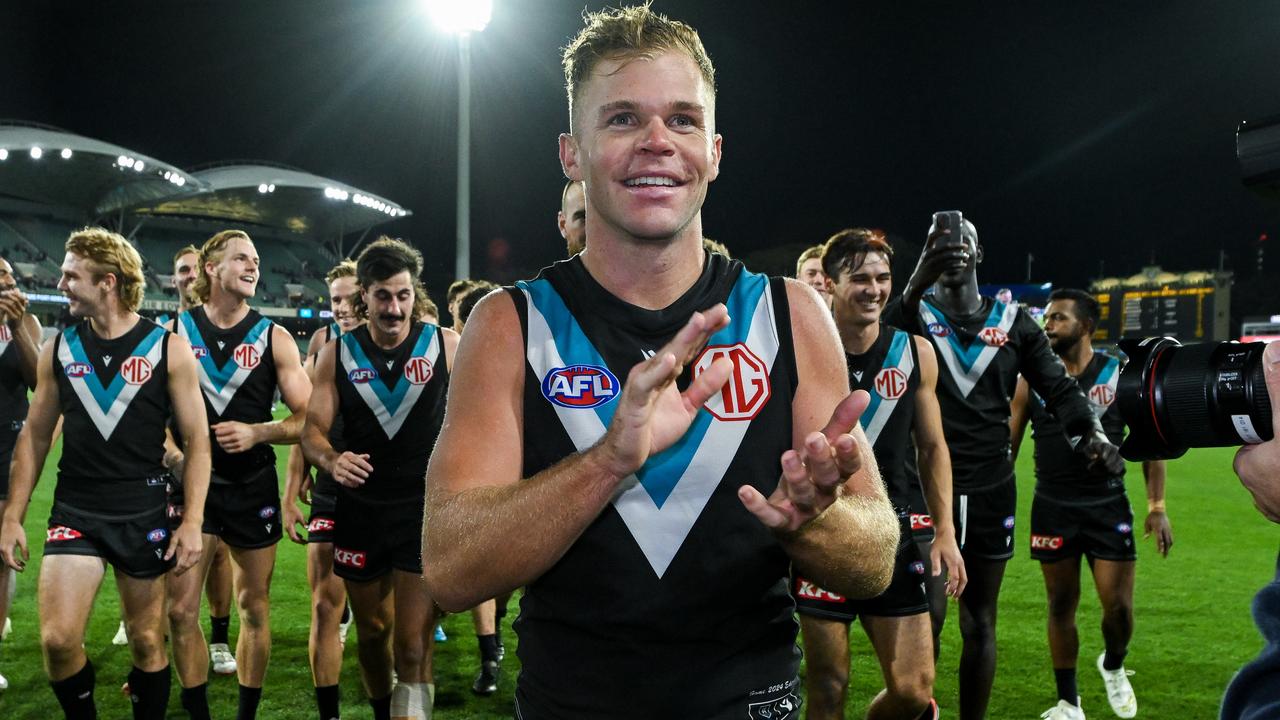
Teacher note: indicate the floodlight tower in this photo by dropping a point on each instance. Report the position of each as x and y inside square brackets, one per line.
[461, 18]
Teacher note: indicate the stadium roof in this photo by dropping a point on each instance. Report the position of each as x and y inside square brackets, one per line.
[47, 165]
[276, 196]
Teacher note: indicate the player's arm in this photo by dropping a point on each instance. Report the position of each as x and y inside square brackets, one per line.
[486, 531]
[29, 454]
[934, 461]
[1019, 413]
[26, 335]
[1063, 398]
[347, 468]
[830, 510]
[188, 412]
[1157, 522]
[237, 437]
[297, 475]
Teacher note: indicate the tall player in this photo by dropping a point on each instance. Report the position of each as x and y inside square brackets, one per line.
[386, 380]
[20, 335]
[653, 534]
[328, 593]
[984, 345]
[900, 373]
[115, 379]
[1080, 510]
[242, 358]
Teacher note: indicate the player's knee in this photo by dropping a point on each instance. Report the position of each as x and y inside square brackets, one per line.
[1062, 605]
[253, 606]
[979, 627]
[146, 645]
[326, 608]
[184, 616]
[59, 644]
[410, 653]
[914, 688]
[827, 688]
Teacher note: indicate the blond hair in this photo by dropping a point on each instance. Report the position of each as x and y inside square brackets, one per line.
[629, 33]
[810, 254]
[346, 268]
[188, 250]
[111, 254]
[211, 252]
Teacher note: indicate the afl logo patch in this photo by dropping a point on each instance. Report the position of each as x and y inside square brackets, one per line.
[199, 351]
[917, 567]
[1008, 523]
[1124, 528]
[247, 356]
[939, 330]
[361, 375]
[993, 336]
[580, 386]
[136, 370]
[891, 383]
[77, 369]
[418, 370]
[748, 387]
[156, 535]
[1102, 395]
[267, 512]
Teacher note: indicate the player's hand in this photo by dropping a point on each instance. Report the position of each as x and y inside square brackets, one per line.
[811, 478]
[185, 545]
[1259, 465]
[1157, 524]
[13, 305]
[304, 488]
[351, 470]
[233, 436]
[292, 519]
[1103, 454]
[173, 461]
[13, 535]
[944, 552]
[943, 251]
[652, 413]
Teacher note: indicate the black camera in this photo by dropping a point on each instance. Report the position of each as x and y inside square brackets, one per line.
[1174, 397]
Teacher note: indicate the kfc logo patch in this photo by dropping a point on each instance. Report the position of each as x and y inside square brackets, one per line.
[921, 522]
[747, 390]
[247, 356]
[993, 336]
[136, 370]
[349, 558]
[61, 533]
[808, 591]
[320, 525]
[1046, 542]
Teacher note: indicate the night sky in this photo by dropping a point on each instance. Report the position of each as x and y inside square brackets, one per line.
[1082, 132]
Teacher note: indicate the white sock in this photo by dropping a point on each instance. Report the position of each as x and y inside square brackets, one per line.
[409, 700]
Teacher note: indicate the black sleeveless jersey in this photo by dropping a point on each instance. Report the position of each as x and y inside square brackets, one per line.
[890, 373]
[673, 602]
[238, 381]
[392, 404]
[114, 397]
[980, 357]
[13, 387]
[1064, 475]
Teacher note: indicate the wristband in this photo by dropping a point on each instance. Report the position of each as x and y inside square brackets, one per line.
[1155, 506]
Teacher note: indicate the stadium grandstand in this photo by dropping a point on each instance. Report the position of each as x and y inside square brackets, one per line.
[53, 182]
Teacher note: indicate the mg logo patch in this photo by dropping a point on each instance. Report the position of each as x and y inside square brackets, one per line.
[418, 370]
[891, 383]
[748, 388]
[1102, 395]
[247, 356]
[580, 386]
[993, 336]
[77, 369]
[136, 370]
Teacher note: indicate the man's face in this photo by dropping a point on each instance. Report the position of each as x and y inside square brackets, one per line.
[1062, 326]
[7, 280]
[185, 269]
[811, 274]
[237, 271]
[390, 303]
[963, 271]
[644, 144]
[342, 292]
[859, 296]
[572, 219]
[84, 294]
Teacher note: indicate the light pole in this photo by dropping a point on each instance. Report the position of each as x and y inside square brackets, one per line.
[461, 18]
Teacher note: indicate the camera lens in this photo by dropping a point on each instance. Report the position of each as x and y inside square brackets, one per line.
[1174, 397]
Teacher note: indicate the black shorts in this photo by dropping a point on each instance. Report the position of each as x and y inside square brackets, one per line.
[245, 514]
[1102, 531]
[8, 438]
[984, 521]
[320, 525]
[905, 595]
[134, 544]
[374, 537]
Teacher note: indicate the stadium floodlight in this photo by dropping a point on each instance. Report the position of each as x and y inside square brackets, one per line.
[36, 152]
[460, 17]
[138, 165]
[4, 154]
[66, 153]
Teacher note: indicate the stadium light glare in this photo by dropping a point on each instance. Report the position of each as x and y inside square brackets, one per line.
[262, 188]
[4, 154]
[460, 17]
[271, 187]
[123, 161]
[138, 165]
[36, 152]
[66, 153]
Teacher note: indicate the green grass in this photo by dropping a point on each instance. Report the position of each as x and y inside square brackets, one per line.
[1192, 623]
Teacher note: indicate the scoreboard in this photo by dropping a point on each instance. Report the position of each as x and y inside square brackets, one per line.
[1188, 313]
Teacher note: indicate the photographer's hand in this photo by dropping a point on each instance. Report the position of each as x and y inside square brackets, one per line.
[1259, 465]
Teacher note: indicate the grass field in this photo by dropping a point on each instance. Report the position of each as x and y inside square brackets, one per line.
[1193, 627]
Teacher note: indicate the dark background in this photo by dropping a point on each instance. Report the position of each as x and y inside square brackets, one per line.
[1098, 136]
